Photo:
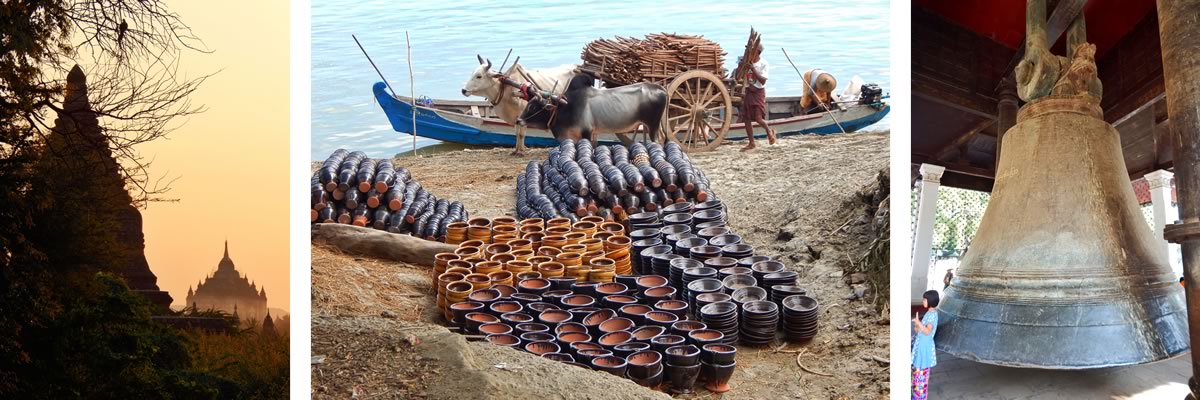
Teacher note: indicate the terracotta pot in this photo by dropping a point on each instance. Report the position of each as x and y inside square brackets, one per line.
[479, 222]
[533, 286]
[464, 252]
[532, 222]
[616, 325]
[457, 291]
[504, 307]
[567, 338]
[682, 328]
[588, 256]
[577, 347]
[569, 259]
[578, 300]
[517, 267]
[627, 349]
[501, 230]
[612, 339]
[496, 248]
[459, 312]
[503, 238]
[646, 333]
[551, 252]
[635, 312]
[574, 247]
[504, 278]
[569, 327]
[504, 289]
[474, 319]
[560, 357]
[596, 318]
[524, 298]
[478, 281]
[586, 227]
[485, 296]
[540, 348]
[495, 328]
[514, 318]
[661, 318]
[654, 295]
[521, 254]
[488, 267]
[600, 276]
[504, 340]
[459, 269]
[611, 364]
[557, 230]
[479, 233]
[472, 243]
[530, 337]
[644, 364]
[527, 275]
[603, 235]
[587, 355]
[652, 381]
[504, 220]
[651, 281]
[520, 244]
[558, 222]
[611, 288]
[701, 337]
[614, 227]
[535, 237]
[456, 232]
[550, 269]
[554, 317]
[616, 301]
[591, 244]
[578, 314]
[717, 376]
[541, 306]
[538, 260]
[573, 238]
[502, 258]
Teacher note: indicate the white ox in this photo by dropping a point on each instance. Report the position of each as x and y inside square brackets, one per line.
[485, 83]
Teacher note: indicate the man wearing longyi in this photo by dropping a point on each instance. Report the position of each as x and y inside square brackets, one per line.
[754, 103]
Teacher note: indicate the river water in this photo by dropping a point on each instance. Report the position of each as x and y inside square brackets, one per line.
[845, 38]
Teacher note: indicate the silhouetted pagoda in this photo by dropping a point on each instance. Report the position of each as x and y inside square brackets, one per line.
[229, 291]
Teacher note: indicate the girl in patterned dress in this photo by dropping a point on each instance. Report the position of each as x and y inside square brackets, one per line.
[924, 355]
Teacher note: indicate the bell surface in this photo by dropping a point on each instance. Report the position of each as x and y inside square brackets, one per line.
[1063, 272]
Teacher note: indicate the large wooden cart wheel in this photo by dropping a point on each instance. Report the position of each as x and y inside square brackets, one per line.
[700, 111]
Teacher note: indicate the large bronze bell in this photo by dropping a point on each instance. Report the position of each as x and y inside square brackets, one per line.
[1063, 272]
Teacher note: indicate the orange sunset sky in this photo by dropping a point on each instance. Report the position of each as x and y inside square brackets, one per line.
[232, 160]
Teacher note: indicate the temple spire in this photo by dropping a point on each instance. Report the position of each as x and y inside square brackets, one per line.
[226, 248]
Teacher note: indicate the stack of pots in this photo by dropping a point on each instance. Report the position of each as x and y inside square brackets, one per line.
[717, 362]
[800, 318]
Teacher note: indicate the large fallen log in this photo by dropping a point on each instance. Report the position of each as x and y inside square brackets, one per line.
[379, 244]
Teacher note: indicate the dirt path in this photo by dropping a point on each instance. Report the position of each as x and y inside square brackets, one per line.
[794, 201]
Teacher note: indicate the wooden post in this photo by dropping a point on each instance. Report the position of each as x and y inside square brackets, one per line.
[412, 93]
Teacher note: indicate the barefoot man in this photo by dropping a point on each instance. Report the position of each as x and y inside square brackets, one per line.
[754, 103]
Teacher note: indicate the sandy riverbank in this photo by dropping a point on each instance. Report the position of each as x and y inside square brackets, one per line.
[798, 201]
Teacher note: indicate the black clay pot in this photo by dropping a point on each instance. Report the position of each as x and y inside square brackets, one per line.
[664, 342]
[682, 377]
[718, 353]
[651, 381]
[587, 355]
[610, 364]
[627, 349]
[717, 376]
[683, 355]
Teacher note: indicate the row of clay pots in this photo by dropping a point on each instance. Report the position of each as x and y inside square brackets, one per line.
[570, 325]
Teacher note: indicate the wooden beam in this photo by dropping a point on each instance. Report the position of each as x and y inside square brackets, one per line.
[918, 159]
[1058, 22]
[929, 88]
[963, 139]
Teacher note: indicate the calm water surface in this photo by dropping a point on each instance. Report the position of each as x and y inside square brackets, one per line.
[845, 38]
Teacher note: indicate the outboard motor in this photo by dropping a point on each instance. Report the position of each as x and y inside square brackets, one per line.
[870, 94]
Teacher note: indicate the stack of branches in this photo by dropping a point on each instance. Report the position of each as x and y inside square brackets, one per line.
[351, 188]
[658, 57]
[739, 74]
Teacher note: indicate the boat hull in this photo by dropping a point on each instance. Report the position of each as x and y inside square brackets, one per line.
[453, 127]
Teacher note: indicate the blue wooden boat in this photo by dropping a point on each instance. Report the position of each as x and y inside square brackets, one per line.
[474, 123]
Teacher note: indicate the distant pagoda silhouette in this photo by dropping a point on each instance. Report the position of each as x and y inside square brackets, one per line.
[229, 291]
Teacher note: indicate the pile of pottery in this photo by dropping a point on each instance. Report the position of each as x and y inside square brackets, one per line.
[546, 293]
[799, 317]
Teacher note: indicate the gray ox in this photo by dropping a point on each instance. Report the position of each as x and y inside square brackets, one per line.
[483, 82]
[589, 111]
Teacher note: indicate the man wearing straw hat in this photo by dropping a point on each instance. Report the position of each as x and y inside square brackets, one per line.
[754, 103]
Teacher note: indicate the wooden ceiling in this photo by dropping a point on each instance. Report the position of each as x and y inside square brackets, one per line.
[963, 48]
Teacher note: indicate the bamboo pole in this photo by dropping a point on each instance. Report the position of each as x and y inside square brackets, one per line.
[412, 93]
[814, 90]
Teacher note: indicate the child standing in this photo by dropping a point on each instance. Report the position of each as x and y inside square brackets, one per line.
[924, 355]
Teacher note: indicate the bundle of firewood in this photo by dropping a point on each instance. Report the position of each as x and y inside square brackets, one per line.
[739, 75]
[657, 58]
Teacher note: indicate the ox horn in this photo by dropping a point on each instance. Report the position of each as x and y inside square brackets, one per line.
[489, 63]
[480, 59]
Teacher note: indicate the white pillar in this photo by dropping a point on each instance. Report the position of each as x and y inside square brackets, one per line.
[931, 178]
[1164, 213]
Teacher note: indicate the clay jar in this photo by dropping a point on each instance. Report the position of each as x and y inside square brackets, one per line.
[465, 252]
[567, 338]
[661, 318]
[611, 288]
[527, 327]
[611, 364]
[626, 349]
[591, 244]
[573, 238]
[517, 267]
[520, 244]
[494, 249]
[528, 275]
[504, 307]
[559, 221]
[460, 311]
[560, 357]
[656, 294]
[533, 286]
[514, 318]
[664, 342]
[683, 328]
[551, 242]
[635, 312]
[592, 321]
[586, 227]
[587, 355]
[578, 300]
[718, 353]
[701, 337]
[677, 307]
[569, 260]
[503, 258]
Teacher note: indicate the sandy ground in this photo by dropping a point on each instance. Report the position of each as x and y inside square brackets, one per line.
[375, 324]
